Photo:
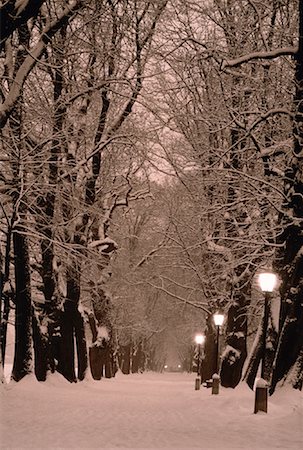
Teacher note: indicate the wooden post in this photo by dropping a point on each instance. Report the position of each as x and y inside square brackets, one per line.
[197, 384]
[215, 384]
[261, 396]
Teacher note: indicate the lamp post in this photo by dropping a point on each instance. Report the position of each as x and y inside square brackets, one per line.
[267, 283]
[199, 339]
[218, 319]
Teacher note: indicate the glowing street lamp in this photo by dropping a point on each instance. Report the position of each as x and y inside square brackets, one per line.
[199, 339]
[218, 320]
[267, 283]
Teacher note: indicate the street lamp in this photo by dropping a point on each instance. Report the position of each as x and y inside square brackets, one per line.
[267, 283]
[199, 339]
[218, 319]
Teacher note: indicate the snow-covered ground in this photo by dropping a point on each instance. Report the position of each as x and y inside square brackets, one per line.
[145, 411]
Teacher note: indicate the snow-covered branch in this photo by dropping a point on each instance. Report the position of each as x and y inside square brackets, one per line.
[30, 61]
[272, 54]
[99, 148]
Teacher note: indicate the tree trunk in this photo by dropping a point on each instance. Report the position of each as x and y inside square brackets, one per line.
[108, 368]
[209, 363]
[126, 359]
[46, 203]
[5, 294]
[101, 320]
[138, 359]
[23, 313]
[256, 355]
[66, 365]
[95, 362]
[289, 259]
[40, 351]
[80, 345]
[254, 359]
[72, 327]
[235, 352]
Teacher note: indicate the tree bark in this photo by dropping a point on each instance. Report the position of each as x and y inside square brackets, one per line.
[138, 359]
[236, 333]
[80, 345]
[72, 331]
[209, 363]
[125, 363]
[4, 294]
[23, 319]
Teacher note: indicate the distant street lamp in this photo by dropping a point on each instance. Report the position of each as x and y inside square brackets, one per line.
[199, 339]
[218, 319]
[267, 283]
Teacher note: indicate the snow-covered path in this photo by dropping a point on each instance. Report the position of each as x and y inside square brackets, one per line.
[145, 411]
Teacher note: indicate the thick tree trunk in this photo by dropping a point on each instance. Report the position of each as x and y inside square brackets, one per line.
[108, 368]
[44, 360]
[5, 294]
[72, 327]
[297, 376]
[48, 312]
[40, 351]
[66, 364]
[289, 259]
[138, 359]
[102, 334]
[4, 323]
[23, 313]
[257, 353]
[80, 345]
[254, 359]
[125, 363]
[95, 362]
[209, 363]
[95, 356]
[235, 352]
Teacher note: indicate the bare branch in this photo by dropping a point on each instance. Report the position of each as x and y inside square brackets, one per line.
[181, 299]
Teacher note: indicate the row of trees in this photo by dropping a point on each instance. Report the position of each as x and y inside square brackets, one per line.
[72, 76]
[228, 88]
[150, 168]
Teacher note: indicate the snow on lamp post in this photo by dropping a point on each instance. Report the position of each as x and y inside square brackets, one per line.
[267, 283]
[199, 339]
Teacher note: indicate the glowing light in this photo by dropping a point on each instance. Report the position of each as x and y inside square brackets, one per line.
[267, 281]
[199, 339]
[218, 319]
